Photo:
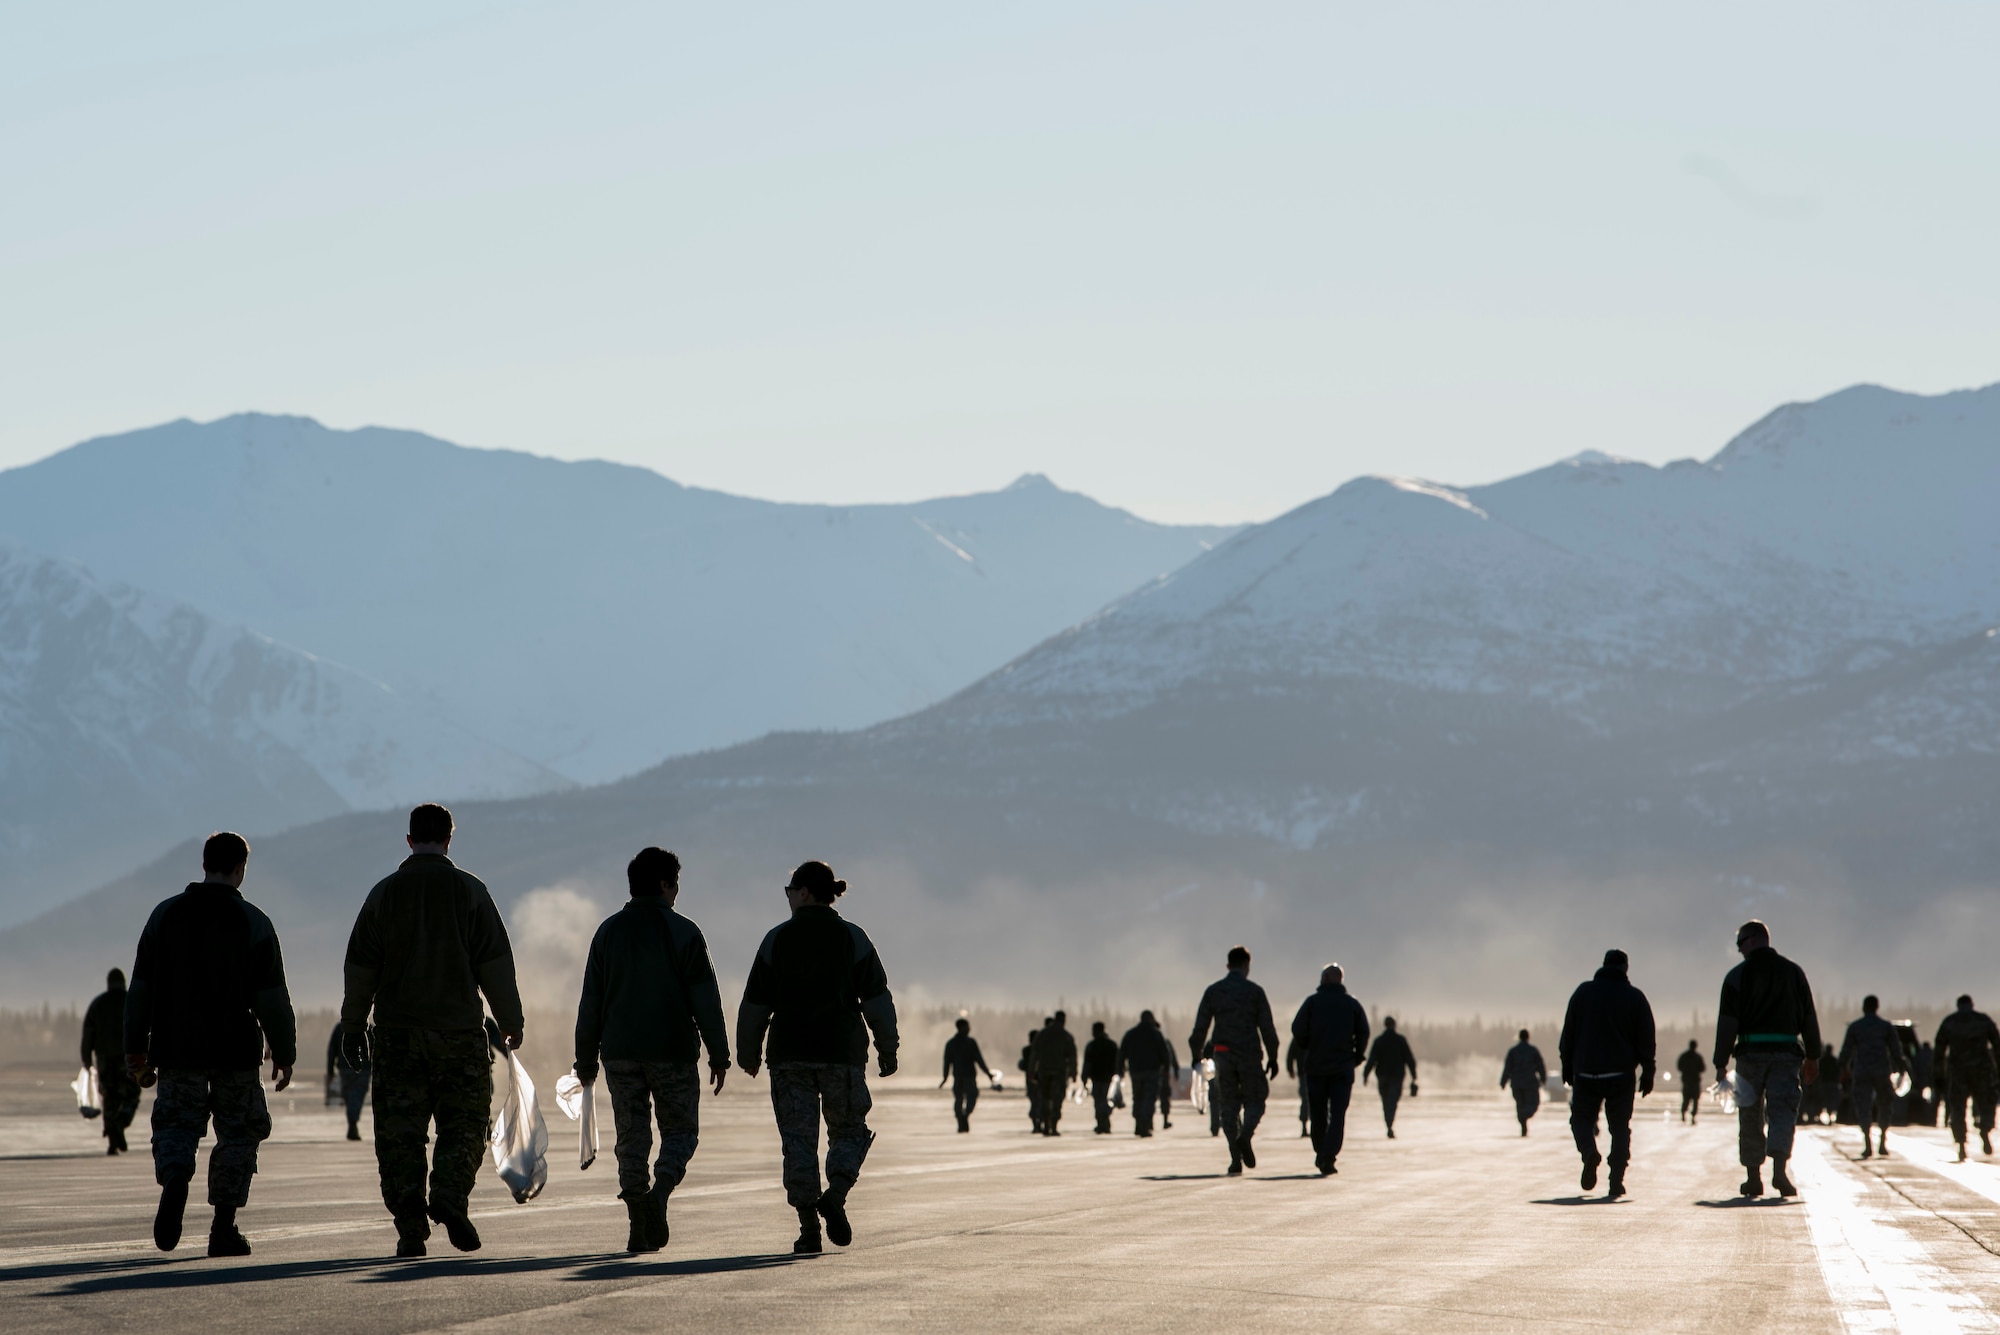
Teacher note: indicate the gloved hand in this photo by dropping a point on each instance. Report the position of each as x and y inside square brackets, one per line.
[587, 1072]
[1413, 1089]
[354, 1048]
[1809, 1071]
[142, 1072]
[885, 1064]
[1271, 1068]
[1645, 1081]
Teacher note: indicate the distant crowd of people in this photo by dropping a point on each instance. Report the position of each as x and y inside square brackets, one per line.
[429, 957]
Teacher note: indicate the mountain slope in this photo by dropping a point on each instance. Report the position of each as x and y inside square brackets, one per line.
[593, 616]
[127, 720]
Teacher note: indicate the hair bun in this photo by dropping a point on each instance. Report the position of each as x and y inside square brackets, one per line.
[839, 889]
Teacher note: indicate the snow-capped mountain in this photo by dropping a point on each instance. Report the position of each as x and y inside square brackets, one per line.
[128, 722]
[592, 616]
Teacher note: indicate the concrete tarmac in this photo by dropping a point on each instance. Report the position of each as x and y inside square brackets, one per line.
[1458, 1224]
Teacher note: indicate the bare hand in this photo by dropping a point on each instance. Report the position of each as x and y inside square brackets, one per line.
[750, 1069]
[1809, 1070]
[283, 1076]
[715, 1075]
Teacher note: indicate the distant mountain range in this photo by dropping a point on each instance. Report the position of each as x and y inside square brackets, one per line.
[1463, 738]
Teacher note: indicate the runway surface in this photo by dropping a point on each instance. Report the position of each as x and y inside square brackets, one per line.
[1457, 1225]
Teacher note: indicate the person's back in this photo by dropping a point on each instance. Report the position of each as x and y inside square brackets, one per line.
[816, 972]
[428, 941]
[963, 1063]
[1241, 1016]
[1143, 1049]
[1871, 1048]
[103, 1045]
[1524, 1067]
[1965, 1062]
[1767, 1025]
[1100, 1058]
[1966, 1040]
[1692, 1066]
[1390, 1058]
[1330, 1031]
[1607, 1032]
[1232, 1025]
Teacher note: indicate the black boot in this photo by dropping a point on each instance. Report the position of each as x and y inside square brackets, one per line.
[354, 1131]
[832, 1207]
[1589, 1179]
[808, 1239]
[1780, 1181]
[173, 1204]
[656, 1214]
[1243, 1150]
[223, 1237]
[1753, 1182]
[413, 1225]
[457, 1226]
[635, 1234]
[1617, 1185]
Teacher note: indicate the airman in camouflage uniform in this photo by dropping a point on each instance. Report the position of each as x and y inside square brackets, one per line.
[1241, 1014]
[1965, 1056]
[104, 1046]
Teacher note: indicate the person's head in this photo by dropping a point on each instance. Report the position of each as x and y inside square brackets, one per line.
[654, 873]
[1060, 1020]
[1097, 1028]
[1146, 1017]
[1524, 1035]
[1752, 935]
[1048, 1022]
[1239, 960]
[1389, 1023]
[1965, 1002]
[225, 857]
[430, 829]
[813, 884]
[1869, 1005]
[1617, 962]
[1693, 1043]
[964, 1025]
[115, 980]
[1330, 975]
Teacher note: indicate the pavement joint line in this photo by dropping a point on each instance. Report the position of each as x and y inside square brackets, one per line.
[1878, 1276]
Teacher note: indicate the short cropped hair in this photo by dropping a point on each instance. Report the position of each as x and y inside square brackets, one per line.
[1869, 1005]
[650, 868]
[1524, 1035]
[1756, 930]
[1097, 1026]
[1238, 957]
[225, 852]
[964, 1025]
[430, 824]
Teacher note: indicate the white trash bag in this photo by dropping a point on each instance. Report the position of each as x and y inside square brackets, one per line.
[1900, 1084]
[521, 1137]
[578, 1102]
[1204, 1071]
[89, 1101]
[1724, 1094]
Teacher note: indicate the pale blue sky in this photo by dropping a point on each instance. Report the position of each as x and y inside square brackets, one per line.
[1203, 261]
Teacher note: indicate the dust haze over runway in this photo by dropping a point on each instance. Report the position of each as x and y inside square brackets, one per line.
[1456, 1225]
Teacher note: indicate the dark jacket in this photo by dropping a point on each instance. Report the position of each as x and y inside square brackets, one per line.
[427, 942]
[1144, 1050]
[1053, 1054]
[1692, 1065]
[1331, 1030]
[1772, 1003]
[1608, 1029]
[1966, 1043]
[1100, 1058]
[815, 979]
[208, 986]
[1871, 1048]
[1241, 1014]
[104, 1030]
[1524, 1067]
[649, 991]
[962, 1059]
[1390, 1058]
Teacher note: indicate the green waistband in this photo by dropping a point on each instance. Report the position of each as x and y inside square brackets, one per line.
[1767, 1038]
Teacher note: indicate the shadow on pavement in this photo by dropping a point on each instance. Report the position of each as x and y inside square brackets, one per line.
[627, 1267]
[128, 1276]
[1584, 1200]
[67, 1269]
[1749, 1203]
[1181, 1177]
[1291, 1177]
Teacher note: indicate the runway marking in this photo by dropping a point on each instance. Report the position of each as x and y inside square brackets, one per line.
[1879, 1277]
[1979, 1174]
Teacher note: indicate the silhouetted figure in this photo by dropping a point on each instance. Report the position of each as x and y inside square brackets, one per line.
[814, 983]
[1923, 1093]
[353, 1083]
[1390, 1061]
[428, 942]
[1768, 1025]
[1171, 1079]
[1964, 1064]
[103, 1046]
[1822, 1101]
[1292, 1054]
[1241, 1016]
[1028, 1077]
[1523, 1074]
[962, 1064]
[1692, 1066]
[650, 1005]
[208, 994]
[1870, 1056]
[1144, 1055]
[1100, 1068]
[1607, 1033]
[1052, 1059]
[1331, 1030]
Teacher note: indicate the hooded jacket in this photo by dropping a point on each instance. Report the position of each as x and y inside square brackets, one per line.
[1608, 1029]
[1331, 1030]
[208, 985]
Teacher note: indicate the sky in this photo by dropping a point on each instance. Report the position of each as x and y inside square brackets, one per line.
[1206, 262]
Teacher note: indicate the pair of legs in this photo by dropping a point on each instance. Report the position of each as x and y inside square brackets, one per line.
[643, 1093]
[1237, 1097]
[1977, 1086]
[1052, 1088]
[1392, 1094]
[1872, 1096]
[1690, 1102]
[120, 1093]
[1527, 1102]
[1327, 1094]
[964, 1098]
[1766, 1121]
[801, 1097]
[1100, 1103]
[354, 1091]
[421, 1077]
[182, 1107]
[1146, 1092]
[1614, 1098]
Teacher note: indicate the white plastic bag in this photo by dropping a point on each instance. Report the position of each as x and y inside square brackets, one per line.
[578, 1102]
[520, 1136]
[89, 1101]
[1724, 1094]
[1204, 1071]
[1118, 1091]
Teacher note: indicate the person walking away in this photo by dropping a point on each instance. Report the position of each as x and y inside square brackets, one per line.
[1963, 1061]
[1053, 1063]
[962, 1064]
[1389, 1061]
[1870, 1056]
[650, 1004]
[1143, 1057]
[1100, 1068]
[1523, 1073]
[1027, 1068]
[1295, 1072]
[103, 1048]
[1331, 1031]
[1768, 1025]
[354, 1083]
[1606, 1033]
[426, 945]
[208, 996]
[1692, 1067]
[815, 982]
[1240, 1015]
[1171, 1079]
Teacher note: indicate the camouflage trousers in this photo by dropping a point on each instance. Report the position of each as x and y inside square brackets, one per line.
[120, 1093]
[1052, 1088]
[801, 1096]
[642, 1092]
[1146, 1092]
[421, 1076]
[1974, 1083]
[1764, 1124]
[1237, 1095]
[182, 1104]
